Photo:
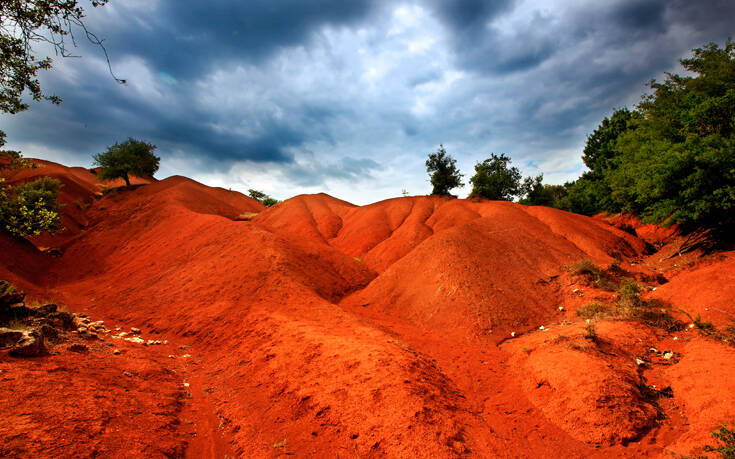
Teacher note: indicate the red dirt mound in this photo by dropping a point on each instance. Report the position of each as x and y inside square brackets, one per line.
[494, 271]
[318, 328]
[706, 289]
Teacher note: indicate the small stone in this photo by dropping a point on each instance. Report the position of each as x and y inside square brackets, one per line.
[122, 334]
[691, 325]
[676, 338]
[183, 346]
[165, 342]
[156, 342]
[81, 330]
[512, 334]
[186, 384]
[135, 340]
[185, 356]
[118, 328]
[541, 327]
[116, 352]
[668, 354]
[171, 356]
[135, 331]
[639, 362]
[654, 350]
[49, 332]
[128, 374]
[78, 347]
[46, 309]
[9, 337]
[30, 345]
[150, 342]
[561, 308]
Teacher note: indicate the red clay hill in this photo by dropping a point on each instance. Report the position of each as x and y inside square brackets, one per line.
[412, 327]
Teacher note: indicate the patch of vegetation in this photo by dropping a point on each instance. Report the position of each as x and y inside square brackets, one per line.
[17, 324]
[590, 333]
[262, 198]
[594, 310]
[726, 438]
[443, 172]
[600, 278]
[670, 159]
[630, 304]
[130, 157]
[30, 208]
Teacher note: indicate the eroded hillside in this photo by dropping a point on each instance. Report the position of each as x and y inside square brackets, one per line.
[412, 327]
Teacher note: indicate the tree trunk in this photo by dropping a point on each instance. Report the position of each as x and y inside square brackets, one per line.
[127, 180]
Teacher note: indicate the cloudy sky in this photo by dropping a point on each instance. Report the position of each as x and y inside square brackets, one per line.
[349, 97]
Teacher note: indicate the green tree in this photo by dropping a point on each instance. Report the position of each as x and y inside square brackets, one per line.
[130, 157]
[678, 163]
[443, 172]
[535, 193]
[262, 198]
[30, 208]
[591, 193]
[495, 180]
[25, 24]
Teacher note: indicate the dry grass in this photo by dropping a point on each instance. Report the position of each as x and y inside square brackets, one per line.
[246, 216]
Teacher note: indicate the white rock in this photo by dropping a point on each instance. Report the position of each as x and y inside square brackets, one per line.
[691, 325]
[171, 356]
[512, 334]
[668, 354]
[135, 331]
[676, 338]
[150, 342]
[561, 308]
[136, 340]
[185, 356]
[541, 327]
[165, 342]
[123, 334]
[186, 384]
[639, 361]
[116, 352]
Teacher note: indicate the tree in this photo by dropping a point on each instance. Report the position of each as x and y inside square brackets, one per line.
[25, 23]
[262, 198]
[130, 157]
[678, 164]
[494, 180]
[443, 172]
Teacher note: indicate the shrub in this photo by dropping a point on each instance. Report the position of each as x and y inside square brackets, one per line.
[593, 310]
[726, 438]
[599, 277]
[30, 208]
[262, 198]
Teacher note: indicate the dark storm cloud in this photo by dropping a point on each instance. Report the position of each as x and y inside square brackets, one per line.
[338, 91]
[185, 38]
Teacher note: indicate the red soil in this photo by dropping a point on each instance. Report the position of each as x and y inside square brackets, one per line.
[319, 328]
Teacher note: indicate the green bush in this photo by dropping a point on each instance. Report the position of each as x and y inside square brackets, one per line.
[30, 208]
[262, 198]
[726, 438]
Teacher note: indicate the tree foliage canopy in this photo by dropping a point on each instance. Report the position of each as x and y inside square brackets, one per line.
[30, 208]
[495, 180]
[262, 198]
[24, 24]
[672, 160]
[130, 157]
[443, 172]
